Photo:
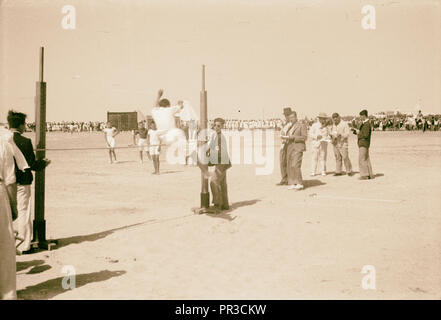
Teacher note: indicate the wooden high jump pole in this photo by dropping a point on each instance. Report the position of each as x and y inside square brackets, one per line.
[202, 139]
[39, 226]
[205, 195]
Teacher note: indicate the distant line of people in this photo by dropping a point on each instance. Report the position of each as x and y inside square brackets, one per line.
[403, 122]
[378, 123]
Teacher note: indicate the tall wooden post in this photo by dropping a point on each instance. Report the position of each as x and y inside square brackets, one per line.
[205, 195]
[40, 132]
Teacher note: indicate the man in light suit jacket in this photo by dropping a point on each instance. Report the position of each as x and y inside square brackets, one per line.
[283, 148]
[296, 137]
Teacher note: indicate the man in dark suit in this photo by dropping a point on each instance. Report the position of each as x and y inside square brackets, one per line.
[17, 124]
[364, 142]
[220, 160]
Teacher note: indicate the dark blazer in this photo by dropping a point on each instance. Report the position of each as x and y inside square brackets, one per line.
[364, 135]
[25, 146]
[218, 152]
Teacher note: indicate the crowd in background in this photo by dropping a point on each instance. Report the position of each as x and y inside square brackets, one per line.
[235, 124]
[380, 122]
[70, 126]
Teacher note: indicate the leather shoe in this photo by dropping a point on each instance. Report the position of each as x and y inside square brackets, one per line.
[30, 251]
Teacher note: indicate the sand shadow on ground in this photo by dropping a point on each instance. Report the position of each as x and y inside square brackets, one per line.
[53, 287]
[26, 264]
[39, 269]
[377, 175]
[170, 171]
[312, 183]
[63, 242]
[331, 173]
[226, 213]
[124, 161]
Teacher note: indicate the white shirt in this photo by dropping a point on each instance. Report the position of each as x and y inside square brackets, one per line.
[8, 136]
[7, 167]
[317, 130]
[154, 138]
[109, 132]
[341, 129]
[165, 117]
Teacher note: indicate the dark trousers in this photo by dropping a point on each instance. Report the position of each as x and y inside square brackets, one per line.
[283, 165]
[364, 163]
[218, 186]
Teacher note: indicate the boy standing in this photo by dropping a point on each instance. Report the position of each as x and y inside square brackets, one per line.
[142, 132]
[154, 146]
[109, 135]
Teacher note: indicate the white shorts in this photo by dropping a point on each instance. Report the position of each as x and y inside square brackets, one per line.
[111, 142]
[142, 144]
[154, 150]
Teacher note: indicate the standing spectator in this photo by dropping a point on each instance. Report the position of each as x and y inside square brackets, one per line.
[340, 134]
[364, 142]
[296, 137]
[283, 148]
[109, 135]
[17, 124]
[8, 210]
[142, 132]
[220, 160]
[154, 146]
[320, 136]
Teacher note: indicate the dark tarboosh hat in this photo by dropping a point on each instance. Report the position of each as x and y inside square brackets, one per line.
[287, 111]
[364, 113]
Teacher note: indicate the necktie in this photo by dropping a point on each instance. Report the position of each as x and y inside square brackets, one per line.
[219, 144]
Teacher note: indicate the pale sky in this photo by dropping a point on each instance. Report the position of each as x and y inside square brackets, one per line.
[260, 56]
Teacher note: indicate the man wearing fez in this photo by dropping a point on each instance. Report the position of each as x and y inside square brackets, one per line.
[295, 139]
[218, 157]
[339, 135]
[364, 142]
[283, 148]
[17, 122]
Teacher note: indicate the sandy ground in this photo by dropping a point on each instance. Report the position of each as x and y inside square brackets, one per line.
[132, 235]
